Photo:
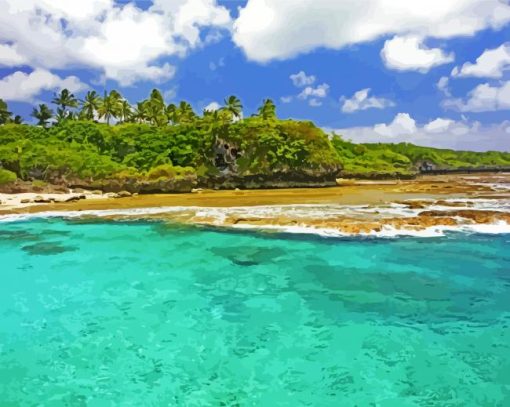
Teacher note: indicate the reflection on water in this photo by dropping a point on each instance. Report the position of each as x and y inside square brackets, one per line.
[139, 313]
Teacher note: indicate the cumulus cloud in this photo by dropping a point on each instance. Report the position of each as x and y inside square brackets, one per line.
[286, 99]
[410, 54]
[483, 98]
[301, 79]
[443, 85]
[23, 87]
[440, 132]
[9, 56]
[491, 64]
[275, 29]
[402, 125]
[321, 91]
[314, 102]
[361, 101]
[122, 41]
[213, 106]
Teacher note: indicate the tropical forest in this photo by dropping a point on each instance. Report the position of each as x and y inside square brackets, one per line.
[106, 143]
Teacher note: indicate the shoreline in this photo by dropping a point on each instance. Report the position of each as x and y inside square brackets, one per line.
[429, 206]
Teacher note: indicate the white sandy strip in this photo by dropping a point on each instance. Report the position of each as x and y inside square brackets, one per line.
[13, 201]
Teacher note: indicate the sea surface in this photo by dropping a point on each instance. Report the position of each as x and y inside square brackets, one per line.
[144, 313]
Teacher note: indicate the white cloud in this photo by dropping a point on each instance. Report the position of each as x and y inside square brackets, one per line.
[170, 94]
[402, 125]
[276, 29]
[321, 91]
[491, 64]
[361, 101]
[442, 85]
[410, 54]
[438, 125]
[286, 99]
[23, 87]
[9, 56]
[213, 106]
[440, 132]
[301, 79]
[216, 65]
[483, 98]
[122, 41]
[314, 102]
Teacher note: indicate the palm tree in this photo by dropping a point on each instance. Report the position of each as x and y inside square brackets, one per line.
[17, 119]
[90, 105]
[233, 106]
[156, 110]
[172, 113]
[267, 110]
[110, 106]
[64, 100]
[140, 113]
[5, 114]
[125, 111]
[61, 115]
[185, 113]
[42, 114]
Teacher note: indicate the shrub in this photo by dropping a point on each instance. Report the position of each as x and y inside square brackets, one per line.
[7, 176]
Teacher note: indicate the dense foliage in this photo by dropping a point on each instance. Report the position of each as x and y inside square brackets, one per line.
[405, 159]
[154, 142]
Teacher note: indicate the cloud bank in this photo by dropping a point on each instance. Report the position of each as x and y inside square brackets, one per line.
[440, 132]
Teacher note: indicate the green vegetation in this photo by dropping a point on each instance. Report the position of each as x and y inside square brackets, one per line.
[152, 143]
[405, 159]
[7, 176]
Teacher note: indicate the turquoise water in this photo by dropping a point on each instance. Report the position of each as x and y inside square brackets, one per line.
[146, 314]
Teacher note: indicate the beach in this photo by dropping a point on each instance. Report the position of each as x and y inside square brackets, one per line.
[428, 206]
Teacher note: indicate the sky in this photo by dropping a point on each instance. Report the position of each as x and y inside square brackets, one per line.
[433, 73]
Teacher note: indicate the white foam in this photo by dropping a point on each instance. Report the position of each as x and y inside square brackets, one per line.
[311, 211]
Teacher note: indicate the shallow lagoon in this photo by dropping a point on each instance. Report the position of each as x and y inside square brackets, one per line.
[142, 313]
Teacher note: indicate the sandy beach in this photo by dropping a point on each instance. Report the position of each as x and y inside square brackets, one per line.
[426, 206]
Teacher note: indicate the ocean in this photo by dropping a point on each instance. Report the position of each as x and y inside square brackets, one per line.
[146, 313]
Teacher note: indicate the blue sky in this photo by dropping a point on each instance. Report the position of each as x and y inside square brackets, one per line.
[377, 70]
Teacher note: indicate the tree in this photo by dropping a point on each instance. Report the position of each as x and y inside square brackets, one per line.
[267, 110]
[140, 113]
[185, 113]
[64, 100]
[17, 119]
[90, 105]
[233, 106]
[42, 114]
[125, 111]
[110, 106]
[5, 114]
[172, 113]
[156, 110]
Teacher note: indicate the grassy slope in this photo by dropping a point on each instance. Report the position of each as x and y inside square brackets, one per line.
[401, 160]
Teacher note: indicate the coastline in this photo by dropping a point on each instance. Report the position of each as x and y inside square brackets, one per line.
[427, 206]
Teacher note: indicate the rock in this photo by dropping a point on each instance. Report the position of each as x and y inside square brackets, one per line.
[135, 194]
[78, 190]
[25, 201]
[41, 199]
[342, 182]
[415, 205]
[97, 192]
[111, 195]
[72, 199]
[197, 190]
[123, 194]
